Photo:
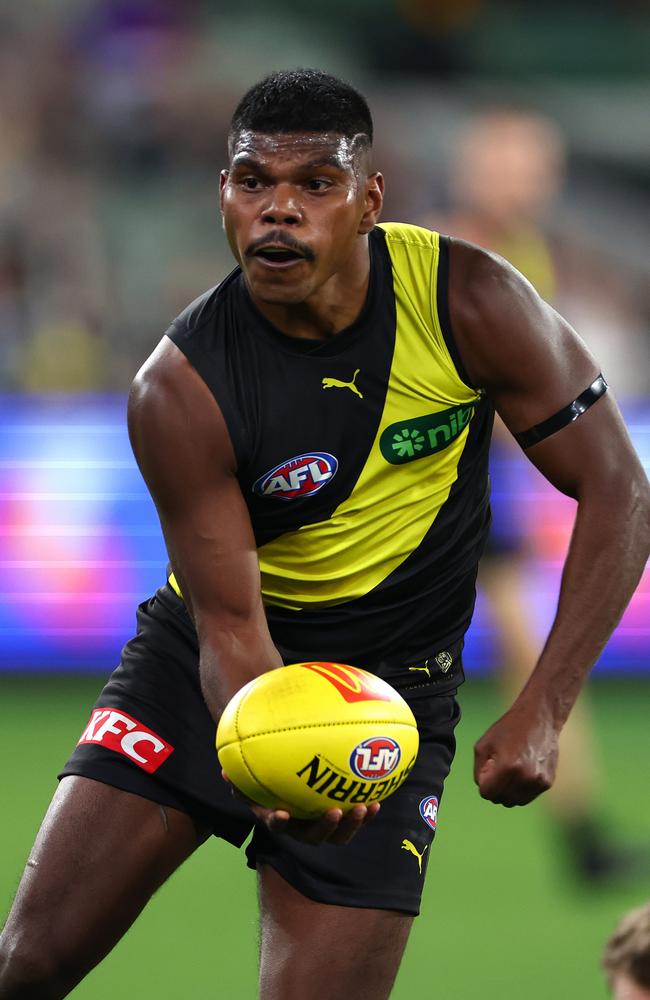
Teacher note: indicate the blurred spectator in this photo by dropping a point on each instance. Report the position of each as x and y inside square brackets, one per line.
[626, 959]
[109, 118]
[113, 116]
[505, 180]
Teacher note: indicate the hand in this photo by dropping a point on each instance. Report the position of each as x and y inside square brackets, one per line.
[333, 827]
[516, 759]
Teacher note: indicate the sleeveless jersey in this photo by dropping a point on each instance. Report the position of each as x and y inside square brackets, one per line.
[362, 459]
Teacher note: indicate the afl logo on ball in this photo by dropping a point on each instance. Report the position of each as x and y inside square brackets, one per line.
[375, 758]
[297, 477]
[429, 811]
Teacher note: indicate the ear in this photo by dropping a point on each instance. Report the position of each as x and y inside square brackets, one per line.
[373, 201]
[223, 180]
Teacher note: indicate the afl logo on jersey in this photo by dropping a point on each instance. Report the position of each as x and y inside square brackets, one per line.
[297, 477]
[375, 758]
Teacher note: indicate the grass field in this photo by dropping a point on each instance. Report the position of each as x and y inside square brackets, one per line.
[501, 918]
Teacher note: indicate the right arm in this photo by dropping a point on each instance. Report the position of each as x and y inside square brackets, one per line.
[182, 446]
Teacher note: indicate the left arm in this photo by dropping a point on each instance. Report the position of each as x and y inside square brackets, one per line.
[533, 365]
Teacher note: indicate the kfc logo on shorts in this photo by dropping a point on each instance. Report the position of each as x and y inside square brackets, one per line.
[429, 811]
[122, 733]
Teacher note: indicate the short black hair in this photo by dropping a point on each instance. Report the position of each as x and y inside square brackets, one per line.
[302, 100]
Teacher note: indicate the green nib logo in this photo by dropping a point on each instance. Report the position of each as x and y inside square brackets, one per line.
[407, 442]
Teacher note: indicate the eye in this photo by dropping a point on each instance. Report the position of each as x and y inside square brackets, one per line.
[250, 183]
[317, 184]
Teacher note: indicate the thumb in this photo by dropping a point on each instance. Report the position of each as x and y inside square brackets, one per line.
[484, 769]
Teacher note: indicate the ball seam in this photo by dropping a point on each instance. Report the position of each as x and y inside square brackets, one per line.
[321, 725]
[256, 779]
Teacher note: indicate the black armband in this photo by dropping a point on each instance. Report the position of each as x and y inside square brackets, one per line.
[564, 416]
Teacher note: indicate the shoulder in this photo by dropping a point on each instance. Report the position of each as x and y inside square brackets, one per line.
[498, 318]
[171, 407]
[481, 280]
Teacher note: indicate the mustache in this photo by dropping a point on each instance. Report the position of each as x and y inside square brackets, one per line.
[280, 238]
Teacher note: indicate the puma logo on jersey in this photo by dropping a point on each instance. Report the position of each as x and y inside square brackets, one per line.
[412, 849]
[336, 383]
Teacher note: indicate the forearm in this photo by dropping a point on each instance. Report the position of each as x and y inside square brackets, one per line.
[231, 657]
[608, 551]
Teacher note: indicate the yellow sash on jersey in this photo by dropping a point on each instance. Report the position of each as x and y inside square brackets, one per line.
[392, 506]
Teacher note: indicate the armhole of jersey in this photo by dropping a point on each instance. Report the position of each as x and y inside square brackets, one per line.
[201, 365]
[442, 306]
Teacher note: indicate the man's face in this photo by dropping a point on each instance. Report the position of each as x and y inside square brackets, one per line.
[294, 206]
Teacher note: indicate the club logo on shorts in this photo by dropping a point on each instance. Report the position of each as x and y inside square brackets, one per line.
[429, 810]
[118, 731]
[444, 660]
[375, 758]
[301, 476]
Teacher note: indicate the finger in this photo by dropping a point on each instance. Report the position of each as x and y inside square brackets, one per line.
[277, 820]
[489, 778]
[482, 754]
[350, 824]
[310, 832]
[499, 784]
[521, 795]
[513, 791]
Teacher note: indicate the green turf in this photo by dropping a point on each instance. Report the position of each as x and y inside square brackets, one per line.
[500, 920]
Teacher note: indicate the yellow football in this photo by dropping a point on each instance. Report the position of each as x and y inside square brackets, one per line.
[313, 736]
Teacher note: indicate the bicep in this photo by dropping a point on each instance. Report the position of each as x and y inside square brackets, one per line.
[594, 452]
[534, 365]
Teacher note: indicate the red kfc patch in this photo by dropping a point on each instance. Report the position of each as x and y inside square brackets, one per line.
[118, 731]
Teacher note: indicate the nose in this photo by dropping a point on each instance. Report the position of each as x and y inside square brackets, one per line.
[283, 208]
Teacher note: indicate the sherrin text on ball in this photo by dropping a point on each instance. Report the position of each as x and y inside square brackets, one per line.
[315, 736]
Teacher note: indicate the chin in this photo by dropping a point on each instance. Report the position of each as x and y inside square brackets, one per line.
[279, 293]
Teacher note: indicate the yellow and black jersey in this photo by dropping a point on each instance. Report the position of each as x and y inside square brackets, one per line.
[362, 458]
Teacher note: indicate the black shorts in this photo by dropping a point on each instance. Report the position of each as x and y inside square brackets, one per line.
[151, 734]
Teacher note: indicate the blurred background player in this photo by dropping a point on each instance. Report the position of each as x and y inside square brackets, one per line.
[506, 174]
[626, 959]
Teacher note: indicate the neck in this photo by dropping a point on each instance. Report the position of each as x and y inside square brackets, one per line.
[333, 307]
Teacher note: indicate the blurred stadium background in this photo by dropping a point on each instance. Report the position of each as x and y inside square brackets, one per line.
[113, 115]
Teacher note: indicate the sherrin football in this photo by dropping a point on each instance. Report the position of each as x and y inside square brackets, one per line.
[315, 736]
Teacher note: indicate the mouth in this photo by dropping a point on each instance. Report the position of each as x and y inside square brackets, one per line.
[278, 257]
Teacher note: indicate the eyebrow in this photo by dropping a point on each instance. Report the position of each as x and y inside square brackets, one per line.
[326, 161]
[244, 160]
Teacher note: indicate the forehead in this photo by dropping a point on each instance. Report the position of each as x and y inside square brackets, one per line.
[301, 148]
